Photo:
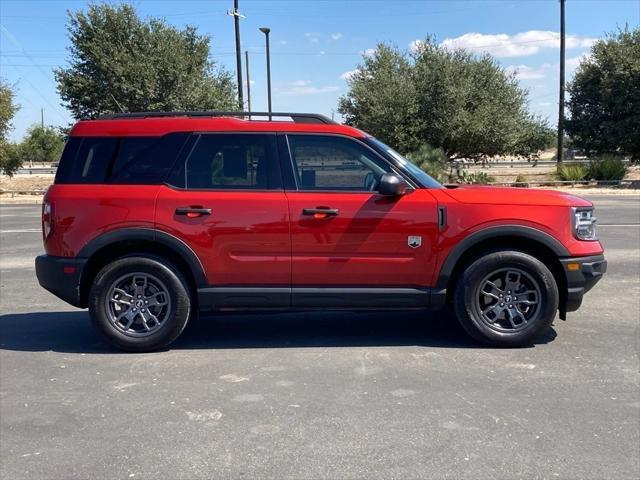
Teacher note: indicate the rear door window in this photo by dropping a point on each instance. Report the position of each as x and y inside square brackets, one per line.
[145, 160]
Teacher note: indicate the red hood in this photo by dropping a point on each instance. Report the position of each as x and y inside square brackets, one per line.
[480, 194]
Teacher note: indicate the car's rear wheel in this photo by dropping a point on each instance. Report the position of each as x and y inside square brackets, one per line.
[506, 298]
[139, 304]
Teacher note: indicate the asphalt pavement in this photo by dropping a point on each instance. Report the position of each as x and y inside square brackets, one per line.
[322, 395]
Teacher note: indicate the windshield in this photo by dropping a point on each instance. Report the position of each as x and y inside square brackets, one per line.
[414, 171]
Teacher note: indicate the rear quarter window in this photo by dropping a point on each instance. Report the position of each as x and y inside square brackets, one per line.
[126, 160]
[85, 160]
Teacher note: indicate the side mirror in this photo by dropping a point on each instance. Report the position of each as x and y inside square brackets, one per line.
[392, 185]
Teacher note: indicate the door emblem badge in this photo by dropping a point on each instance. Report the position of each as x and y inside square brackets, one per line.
[414, 241]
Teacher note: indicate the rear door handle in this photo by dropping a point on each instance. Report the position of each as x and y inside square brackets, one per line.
[193, 212]
[321, 212]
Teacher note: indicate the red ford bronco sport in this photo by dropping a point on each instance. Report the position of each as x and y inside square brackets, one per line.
[156, 216]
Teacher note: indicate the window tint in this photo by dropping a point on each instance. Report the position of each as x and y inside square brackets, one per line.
[232, 161]
[65, 165]
[127, 160]
[146, 160]
[334, 163]
[86, 160]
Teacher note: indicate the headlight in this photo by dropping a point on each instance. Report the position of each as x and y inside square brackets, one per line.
[584, 223]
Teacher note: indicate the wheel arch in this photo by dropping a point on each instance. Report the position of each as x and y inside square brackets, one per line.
[126, 242]
[526, 239]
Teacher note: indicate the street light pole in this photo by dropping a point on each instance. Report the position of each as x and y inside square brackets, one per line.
[560, 153]
[266, 31]
[236, 20]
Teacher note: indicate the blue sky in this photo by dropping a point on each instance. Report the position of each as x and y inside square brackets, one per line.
[314, 44]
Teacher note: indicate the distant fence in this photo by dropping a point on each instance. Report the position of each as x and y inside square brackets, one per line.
[36, 170]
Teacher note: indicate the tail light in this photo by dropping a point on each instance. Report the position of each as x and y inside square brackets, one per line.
[47, 219]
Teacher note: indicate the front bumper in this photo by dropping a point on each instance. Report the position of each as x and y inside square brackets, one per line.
[61, 276]
[582, 274]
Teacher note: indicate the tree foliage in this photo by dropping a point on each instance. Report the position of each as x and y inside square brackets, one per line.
[41, 144]
[8, 108]
[466, 105]
[119, 61]
[604, 99]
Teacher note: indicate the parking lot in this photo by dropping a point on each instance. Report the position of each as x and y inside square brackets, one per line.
[321, 395]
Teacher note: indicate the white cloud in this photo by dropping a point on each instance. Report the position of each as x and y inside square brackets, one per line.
[336, 36]
[368, 52]
[321, 52]
[573, 63]
[415, 45]
[519, 45]
[525, 72]
[313, 37]
[304, 87]
[283, 42]
[348, 75]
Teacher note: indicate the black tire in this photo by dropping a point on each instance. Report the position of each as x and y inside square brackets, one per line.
[165, 283]
[509, 327]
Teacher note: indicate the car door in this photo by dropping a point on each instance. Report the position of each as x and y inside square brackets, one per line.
[225, 201]
[351, 246]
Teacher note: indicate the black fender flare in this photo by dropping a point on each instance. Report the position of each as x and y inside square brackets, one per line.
[148, 234]
[521, 231]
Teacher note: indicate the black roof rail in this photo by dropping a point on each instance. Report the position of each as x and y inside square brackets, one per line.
[296, 117]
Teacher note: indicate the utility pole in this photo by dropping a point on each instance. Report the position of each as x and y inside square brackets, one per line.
[236, 20]
[246, 56]
[561, 102]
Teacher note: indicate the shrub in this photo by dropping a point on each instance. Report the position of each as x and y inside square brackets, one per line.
[521, 181]
[478, 178]
[521, 178]
[431, 160]
[10, 158]
[607, 168]
[571, 172]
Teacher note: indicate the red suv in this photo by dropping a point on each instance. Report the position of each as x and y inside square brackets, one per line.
[156, 216]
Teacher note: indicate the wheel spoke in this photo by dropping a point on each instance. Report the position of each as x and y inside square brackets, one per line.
[512, 281]
[145, 320]
[129, 315]
[154, 318]
[511, 318]
[525, 298]
[154, 302]
[123, 294]
[138, 288]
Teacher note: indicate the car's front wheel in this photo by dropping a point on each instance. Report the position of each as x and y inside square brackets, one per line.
[139, 304]
[506, 298]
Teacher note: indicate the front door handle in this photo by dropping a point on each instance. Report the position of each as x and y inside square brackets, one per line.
[193, 212]
[321, 212]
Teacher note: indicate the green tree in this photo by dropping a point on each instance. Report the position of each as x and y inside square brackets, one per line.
[466, 105]
[41, 144]
[121, 62]
[8, 108]
[604, 102]
[12, 159]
